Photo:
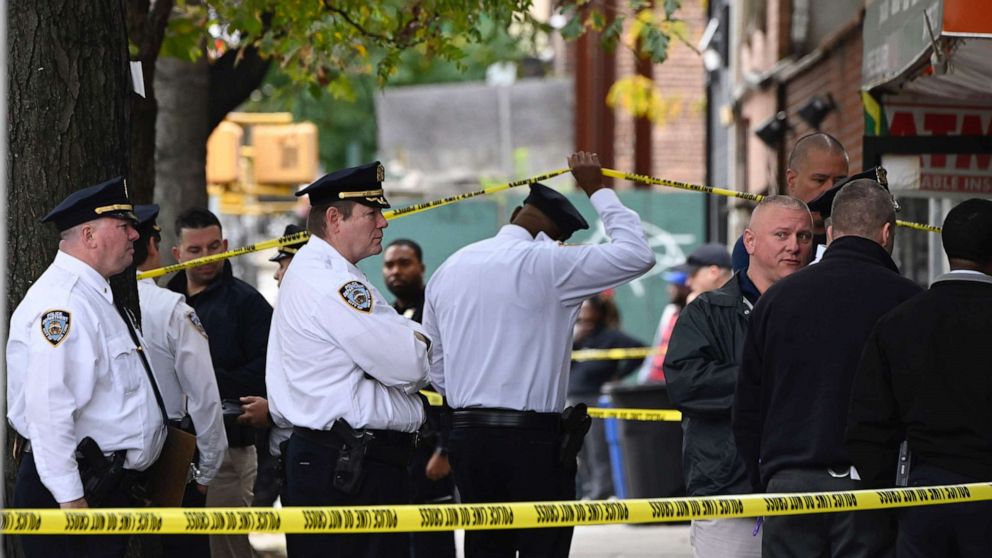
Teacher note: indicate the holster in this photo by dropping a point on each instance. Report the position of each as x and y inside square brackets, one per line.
[100, 475]
[349, 471]
[575, 422]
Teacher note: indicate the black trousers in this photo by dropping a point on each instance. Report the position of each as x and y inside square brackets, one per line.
[430, 544]
[860, 534]
[309, 482]
[188, 546]
[951, 530]
[30, 492]
[511, 465]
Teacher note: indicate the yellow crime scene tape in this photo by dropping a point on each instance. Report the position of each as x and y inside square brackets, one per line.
[644, 179]
[298, 237]
[665, 415]
[447, 517]
[421, 207]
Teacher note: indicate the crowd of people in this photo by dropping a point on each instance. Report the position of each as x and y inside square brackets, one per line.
[791, 376]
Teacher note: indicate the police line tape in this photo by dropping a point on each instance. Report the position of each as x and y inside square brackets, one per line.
[303, 236]
[664, 415]
[644, 179]
[447, 517]
[421, 207]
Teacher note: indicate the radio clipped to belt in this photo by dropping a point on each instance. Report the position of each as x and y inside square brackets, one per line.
[575, 422]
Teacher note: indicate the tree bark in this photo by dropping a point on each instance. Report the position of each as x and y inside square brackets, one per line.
[233, 77]
[69, 85]
[180, 140]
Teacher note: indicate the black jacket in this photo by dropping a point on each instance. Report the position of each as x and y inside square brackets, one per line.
[588, 376]
[926, 374]
[801, 351]
[236, 318]
[701, 369]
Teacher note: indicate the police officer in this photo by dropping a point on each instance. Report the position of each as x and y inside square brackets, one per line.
[180, 357]
[75, 375]
[284, 255]
[344, 368]
[500, 313]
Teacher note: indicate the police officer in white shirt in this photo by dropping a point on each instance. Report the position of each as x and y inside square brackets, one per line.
[75, 375]
[344, 368]
[500, 313]
[177, 347]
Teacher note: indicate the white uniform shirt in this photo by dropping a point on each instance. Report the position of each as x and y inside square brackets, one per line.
[177, 347]
[500, 311]
[321, 347]
[73, 371]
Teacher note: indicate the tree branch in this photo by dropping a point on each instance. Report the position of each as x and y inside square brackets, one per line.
[233, 77]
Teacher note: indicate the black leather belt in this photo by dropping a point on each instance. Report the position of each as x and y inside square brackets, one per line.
[388, 446]
[505, 418]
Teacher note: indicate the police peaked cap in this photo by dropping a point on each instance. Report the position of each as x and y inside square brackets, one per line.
[146, 225]
[557, 208]
[825, 201]
[289, 250]
[107, 199]
[362, 184]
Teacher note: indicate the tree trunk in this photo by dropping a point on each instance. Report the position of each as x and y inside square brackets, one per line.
[180, 140]
[68, 91]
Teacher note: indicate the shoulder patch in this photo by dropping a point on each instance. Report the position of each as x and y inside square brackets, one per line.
[357, 296]
[55, 326]
[195, 320]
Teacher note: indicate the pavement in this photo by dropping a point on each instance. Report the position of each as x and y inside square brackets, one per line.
[598, 541]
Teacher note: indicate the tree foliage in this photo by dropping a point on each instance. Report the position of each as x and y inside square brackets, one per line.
[328, 44]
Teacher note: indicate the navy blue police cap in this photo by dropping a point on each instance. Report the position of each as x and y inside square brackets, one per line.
[289, 250]
[557, 208]
[146, 225]
[823, 204]
[106, 199]
[362, 184]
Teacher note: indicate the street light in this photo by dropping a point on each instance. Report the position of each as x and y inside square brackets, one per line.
[817, 109]
[773, 130]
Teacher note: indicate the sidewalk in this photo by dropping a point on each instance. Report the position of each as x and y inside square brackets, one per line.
[599, 541]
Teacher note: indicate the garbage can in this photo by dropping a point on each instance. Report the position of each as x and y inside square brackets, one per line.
[650, 451]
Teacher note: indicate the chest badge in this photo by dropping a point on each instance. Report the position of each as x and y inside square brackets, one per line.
[55, 326]
[357, 296]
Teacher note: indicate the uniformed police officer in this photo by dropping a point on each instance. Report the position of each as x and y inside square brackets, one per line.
[75, 375]
[177, 347]
[500, 312]
[344, 368]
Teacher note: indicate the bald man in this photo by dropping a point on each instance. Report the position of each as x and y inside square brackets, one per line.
[817, 161]
[703, 360]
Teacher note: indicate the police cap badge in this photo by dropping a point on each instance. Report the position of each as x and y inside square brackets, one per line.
[362, 184]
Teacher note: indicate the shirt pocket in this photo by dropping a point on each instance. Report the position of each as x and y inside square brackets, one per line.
[125, 366]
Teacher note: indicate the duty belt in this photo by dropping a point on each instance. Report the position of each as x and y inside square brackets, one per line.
[386, 446]
[505, 418]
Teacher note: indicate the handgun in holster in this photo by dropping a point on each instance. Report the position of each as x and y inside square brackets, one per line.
[349, 471]
[100, 475]
[575, 422]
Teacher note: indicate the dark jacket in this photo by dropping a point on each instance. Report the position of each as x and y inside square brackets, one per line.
[701, 371]
[925, 374]
[588, 376]
[236, 318]
[800, 354]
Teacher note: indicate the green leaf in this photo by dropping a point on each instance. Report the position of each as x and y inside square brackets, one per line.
[654, 44]
[596, 20]
[611, 35]
[671, 6]
[573, 29]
